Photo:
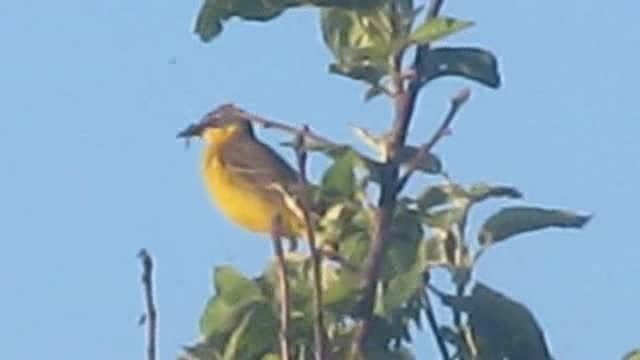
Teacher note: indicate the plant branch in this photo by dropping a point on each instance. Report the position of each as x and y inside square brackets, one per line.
[456, 103]
[316, 258]
[404, 104]
[151, 315]
[285, 299]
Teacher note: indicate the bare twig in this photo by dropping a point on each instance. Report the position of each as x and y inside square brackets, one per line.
[285, 300]
[456, 102]
[268, 123]
[151, 316]
[435, 329]
[316, 258]
[404, 104]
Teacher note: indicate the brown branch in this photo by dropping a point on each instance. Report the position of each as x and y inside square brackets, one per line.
[151, 316]
[285, 300]
[404, 104]
[456, 103]
[316, 258]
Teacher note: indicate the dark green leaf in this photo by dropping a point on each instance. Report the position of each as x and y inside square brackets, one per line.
[516, 220]
[429, 164]
[472, 63]
[372, 92]
[501, 326]
[482, 191]
[201, 351]
[437, 28]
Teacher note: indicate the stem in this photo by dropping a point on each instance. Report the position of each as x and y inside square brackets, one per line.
[316, 258]
[285, 300]
[456, 103]
[404, 104]
[151, 316]
[433, 324]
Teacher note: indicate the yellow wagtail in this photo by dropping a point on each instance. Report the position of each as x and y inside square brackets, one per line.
[248, 180]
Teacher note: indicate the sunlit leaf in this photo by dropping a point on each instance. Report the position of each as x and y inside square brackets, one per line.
[442, 194]
[437, 28]
[270, 357]
[342, 291]
[214, 13]
[516, 220]
[234, 293]
[472, 63]
[363, 42]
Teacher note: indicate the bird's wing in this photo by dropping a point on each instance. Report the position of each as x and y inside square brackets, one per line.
[257, 164]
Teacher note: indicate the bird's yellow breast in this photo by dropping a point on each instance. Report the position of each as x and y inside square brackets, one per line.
[242, 202]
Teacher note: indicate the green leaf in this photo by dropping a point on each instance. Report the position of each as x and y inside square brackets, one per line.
[202, 350]
[339, 179]
[234, 294]
[254, 335]
[342, 292]
[214, 13]
[405, 285]
[502, 327]
[483, 191]
[270, 357]
[516, 220]
[442, 194]
[632, 355]
[233, 287]
[472, 63]
[436, 29]
[363, 42]
[430, 164]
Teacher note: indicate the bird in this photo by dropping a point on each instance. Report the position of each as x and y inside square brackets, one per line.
[246, 179]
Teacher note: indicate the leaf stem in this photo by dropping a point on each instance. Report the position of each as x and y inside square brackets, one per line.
[456, 103]
[316, 258]
[285, 299]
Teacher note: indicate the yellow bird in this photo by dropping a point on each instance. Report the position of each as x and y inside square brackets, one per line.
[249, 181]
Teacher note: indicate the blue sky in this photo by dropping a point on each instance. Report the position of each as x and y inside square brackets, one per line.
[94, 92]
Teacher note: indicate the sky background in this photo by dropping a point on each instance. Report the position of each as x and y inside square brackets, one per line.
[93, 93]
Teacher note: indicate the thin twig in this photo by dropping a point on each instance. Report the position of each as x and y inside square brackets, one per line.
[456, 102]
[151, 316]
[435, 329]
[404, 104]
[316, 258]
[285, 300]
[272, 124]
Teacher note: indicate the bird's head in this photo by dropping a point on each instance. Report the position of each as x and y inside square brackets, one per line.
[218, 126]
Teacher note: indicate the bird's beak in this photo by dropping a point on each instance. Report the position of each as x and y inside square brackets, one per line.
[191, 131]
